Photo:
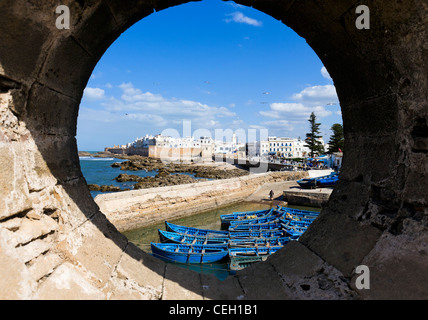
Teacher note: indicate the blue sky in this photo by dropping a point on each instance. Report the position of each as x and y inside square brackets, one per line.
[216, 64]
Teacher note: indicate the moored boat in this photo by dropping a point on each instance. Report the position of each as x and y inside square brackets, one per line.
[292, 223]
[256, 234]
[268, 219]
[299, 213]
[328, 181]
[173, 237]
[242, 216]
[256, 227]
[307, 183]
[185, 253]
[195, 231]
[273, 241]
[240, 258]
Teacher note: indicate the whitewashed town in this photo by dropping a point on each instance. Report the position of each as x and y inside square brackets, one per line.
[275, 149]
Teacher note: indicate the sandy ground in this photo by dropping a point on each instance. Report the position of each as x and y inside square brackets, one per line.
[262, 194]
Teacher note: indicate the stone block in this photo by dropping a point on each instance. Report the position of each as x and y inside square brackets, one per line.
[181, 284]
[143, 270]
[23, 45]
[13, 186]
[397, 266]
[67, 68]
[216, 289]
[340, 241]
[260, 281]
[69, 282]
[91, 246]
[296, 260]
[89, 34]
[50, 112]
[15, 281]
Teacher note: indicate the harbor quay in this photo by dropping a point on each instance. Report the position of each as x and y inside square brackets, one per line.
[133, 209]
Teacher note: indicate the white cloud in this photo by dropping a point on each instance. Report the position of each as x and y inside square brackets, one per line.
[239, 17]
[311, 99]
[93, 93]
[317, 95]
[154, 109]
[325, 73]
[294, 111]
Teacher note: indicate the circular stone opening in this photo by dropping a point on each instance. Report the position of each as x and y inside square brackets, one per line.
[375, 217]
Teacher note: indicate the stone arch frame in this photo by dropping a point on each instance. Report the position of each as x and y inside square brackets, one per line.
[54, 241]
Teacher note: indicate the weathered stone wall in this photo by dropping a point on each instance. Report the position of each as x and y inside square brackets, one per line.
[134, 209]
[54, 241]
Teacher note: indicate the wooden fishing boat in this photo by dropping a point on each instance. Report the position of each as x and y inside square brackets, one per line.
[195, 231]
[268, 219]
[240, 258]
[297, 222]
[294, 231]
[256, 227]
[307, 183]
[328, 181]
[239, 263]
[299, 213]
[185, 253]
[247, 242]
[173, 237]
[256, 234]
[242, 216]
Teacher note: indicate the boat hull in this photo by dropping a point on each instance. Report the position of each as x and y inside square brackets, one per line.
[173, 237]
[192, 254]
[242, 216]
[195, 231]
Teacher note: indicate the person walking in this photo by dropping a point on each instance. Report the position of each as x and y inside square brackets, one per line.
[271, 195]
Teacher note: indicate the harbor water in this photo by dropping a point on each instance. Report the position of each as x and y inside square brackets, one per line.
[210, 219]
[100, 171]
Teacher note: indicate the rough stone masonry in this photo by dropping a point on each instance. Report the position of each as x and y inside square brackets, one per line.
[56, 244]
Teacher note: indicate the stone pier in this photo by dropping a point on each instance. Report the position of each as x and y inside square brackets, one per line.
[134, 209]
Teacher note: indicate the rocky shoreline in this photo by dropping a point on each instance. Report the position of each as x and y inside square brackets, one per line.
[168, 174]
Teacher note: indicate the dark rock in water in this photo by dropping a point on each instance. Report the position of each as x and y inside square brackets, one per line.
[94, 187]
[110, 188]
[104, 188]
[124, 177]
[162, 181]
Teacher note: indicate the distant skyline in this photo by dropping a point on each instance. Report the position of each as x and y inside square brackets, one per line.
[216, 64]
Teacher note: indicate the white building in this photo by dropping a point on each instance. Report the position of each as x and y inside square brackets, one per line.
[284, 147]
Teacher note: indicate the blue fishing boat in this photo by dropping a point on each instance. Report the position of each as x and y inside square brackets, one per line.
[195, 231]
[256, 227]
[256, 234]
[242, 216]
[273, 241]
[323, 181]
[268, 219]
[240, 258]
[173, 237]
[328, 181]
[292, 223]
[299, 213]
[294, 231]
[307, 183]
[185, 253]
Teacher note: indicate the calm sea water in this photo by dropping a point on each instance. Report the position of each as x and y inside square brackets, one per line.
[99, 171]
[206, 220]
